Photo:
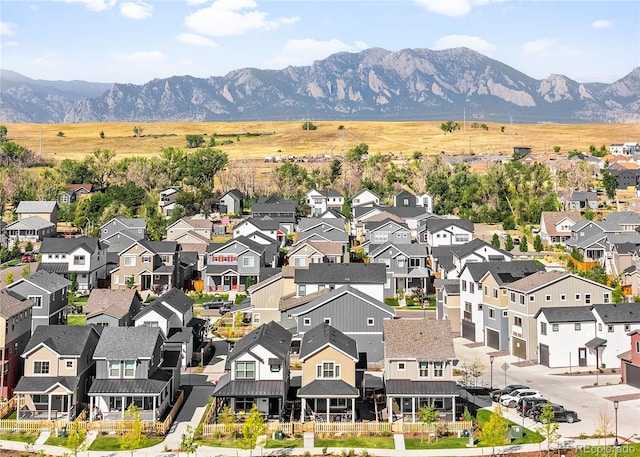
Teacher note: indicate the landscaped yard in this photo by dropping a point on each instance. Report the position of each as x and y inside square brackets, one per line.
[76, 319]
[529, 436]
[442, 443]
[239, 443]
[20, 436]
[368, 442]
[113, 443]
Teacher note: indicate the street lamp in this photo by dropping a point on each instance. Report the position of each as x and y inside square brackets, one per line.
[615, 407]
[491, 362]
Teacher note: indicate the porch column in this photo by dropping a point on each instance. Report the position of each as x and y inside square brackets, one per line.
[328, 409]
[90, 409]
[390, 408]
[413, 409]
[123, 407]
[453, 408]
[68, 407]
[154, 407]
[353, 409]
[49, 409]
[303, 405]
[17, 406]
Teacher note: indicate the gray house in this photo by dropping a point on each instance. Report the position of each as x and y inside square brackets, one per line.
[132, 368]
[49, 293]
[132, 228]
[231, 202]
[112, 307]
[352, 312]
[406, 266]
[369, 278]
[31, 229]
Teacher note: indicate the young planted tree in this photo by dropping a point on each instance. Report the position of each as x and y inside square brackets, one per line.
[227, 418]
[9, 278]
[494, 431]
[26, 271]
[524, 244]
[508, 243]
[253, 427]
[130, 282]
[75, 440]
[132, 423]
[188, 443]
[428, 416]
[548, 428]
[537, 243]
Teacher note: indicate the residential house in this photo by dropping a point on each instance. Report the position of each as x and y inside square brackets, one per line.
[267, 226]
[404, 199]
[167, 201]
[320, 224]
[47, 210]
[364, 215]
[367, 278]
[58, 370]
[185, 227]
[328, 389]
[625, 177]
[112, 307]
[83, 259]
[350, 311]
[630, 361]
[3, 233]
[31, 229]
[426, 201]
[323, 232]
[307, 252]
[545, 289]
[476, 250]
[364, 198]
[578, 201]
[280, 209]
[448, 302]
[49, 294]
[562, 334]
[15, 331]
[148, 265]
[593, 239]
[267, 294]
[406, 267]
[418, 368]
[320, 201]
[135, 229]
[74, 192]
[333, 213]
[628, 149]
[448, 232]
[381, 232]
[555, 226]
[257, 372]
[133, 368]
[412, 217]
[614, 321]
[231, 203]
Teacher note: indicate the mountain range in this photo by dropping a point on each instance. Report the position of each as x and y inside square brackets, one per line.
[375, 84]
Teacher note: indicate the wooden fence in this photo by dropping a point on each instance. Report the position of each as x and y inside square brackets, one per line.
[163, 427]
[7, 407]
[342, 428]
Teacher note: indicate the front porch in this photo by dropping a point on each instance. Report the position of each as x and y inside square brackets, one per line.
[241, 395]
[229, 281]
[328, 401]
[113, 408]
[42, 398]
[406, 397]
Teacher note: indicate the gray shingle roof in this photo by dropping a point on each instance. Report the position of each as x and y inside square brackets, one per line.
[177, 299]
[328, 388]
[48, 281]
[66, 340]
[272, 336]
[473, 246]
[436, 225]
[419, 339]
[408, 249]
[504, 272]
[227, 388]
[339, 292]
[66, 245]
[342, 273]
[36, 207]
[33, 222]
[160, 247]
[127, 343]
[618, 313]
[324, 335]
[409, 388]
[559, 314]
[452, 286]
[42, 384]
[307, 223]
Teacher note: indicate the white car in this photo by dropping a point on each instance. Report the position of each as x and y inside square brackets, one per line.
[511, 400]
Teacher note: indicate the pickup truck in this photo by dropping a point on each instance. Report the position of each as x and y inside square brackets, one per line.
[217, 303]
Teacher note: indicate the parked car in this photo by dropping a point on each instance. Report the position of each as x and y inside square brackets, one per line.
[28, 257]
[526, 406]
[495, 394]
[216, 303]
[226, 308]
[511, 400]
[560, 414]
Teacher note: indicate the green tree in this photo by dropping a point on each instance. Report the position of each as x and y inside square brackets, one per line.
[188, 443]
[227, 418]
[204, 164]
[26, 271]
[309, 126]
[548, 428]
[16, 252]
[137, 131]
[494, 431]
[28, 247]
[556, 149]
[3, 133]
[524, 244]
[73, 287]
[130, 282]
[60, 134]
[537, 243]
[75, 440]
[449, 126]
[495, 241]
[335, 170]
[253, 427]
[610, 183]
[9, 278]
[588, 214]
[289, 179]
[356, 154]
[617, 296]
[132, 423]
[508, 243]
[194, 141]
[428, 416]
[509, 223]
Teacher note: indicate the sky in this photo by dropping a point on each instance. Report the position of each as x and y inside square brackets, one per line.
[135, 41]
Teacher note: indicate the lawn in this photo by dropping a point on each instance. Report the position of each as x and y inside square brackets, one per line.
[56, 441]
[76, 319]
[368, 442]
[113, 443]
[528, 437]
[238, 443]
[22, 437]
[442, 443]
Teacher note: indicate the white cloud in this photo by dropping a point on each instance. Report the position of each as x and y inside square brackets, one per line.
[95, 5]
[232, 18]
[467, 41]
[542, 47]
[139, 10]
[196, 40]
[142, 57]
[453, 7]
[7, 28]
[196, 2]
[601, 24]
[11, 43]
[304, 52]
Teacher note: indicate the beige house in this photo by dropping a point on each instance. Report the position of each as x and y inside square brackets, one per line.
[418, 368]
[148, 265]
[200, 225]
[328, 390]
[266, 295]
[448, 302]
[47, 210]
[307, 252]
[545, 289]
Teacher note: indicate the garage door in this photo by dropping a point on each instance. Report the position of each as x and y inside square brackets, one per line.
[469, 330]
[493, 339]
[633, 375]
[544, 355]
[518, 347]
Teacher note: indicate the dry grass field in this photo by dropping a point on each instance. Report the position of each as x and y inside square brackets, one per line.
[288, 138]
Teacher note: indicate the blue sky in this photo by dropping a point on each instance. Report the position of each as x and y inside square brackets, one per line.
[136, 41]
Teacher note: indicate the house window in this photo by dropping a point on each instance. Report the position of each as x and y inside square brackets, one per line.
[555, 327]
[492, 313]
[463, 283]
[327, 370]
[577, 326]
[151, 324]
[543, 328]
[414, 262]
[638, 347]
[275, 367]
[577, 297]
[164, 258]
[256, 318]
[302, 290]
[248, 262]
[338, 402]
[41, 367]
[472, 287]
[605, 297]
[423, 369]
[327, 320]
[599, 327]
[116, 279]
[298, 262]
[37, 301]
[245, 370]
[78, 260]
[517, 321]
[438, 372]
[306, 321]
[68, 364]
[547, 298]
[129, 368]
[402, 366]
[479, 306]
[627, 328]
[512, 297]
[461, 238]
[129, 260]
[505, 313]
[114, 368]
[522, 299]
[146, 258]
[610, 328]
[370, 321]
[467, 307]
[486, 290]
[495, 293]
[563, 297]
[587, 298]
[400, 263]
[244, 403]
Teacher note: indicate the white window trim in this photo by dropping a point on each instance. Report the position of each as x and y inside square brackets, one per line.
[370, 321]
[402, 366]
[48, 362]
[124, 369]
[306, 321]
[34, 303]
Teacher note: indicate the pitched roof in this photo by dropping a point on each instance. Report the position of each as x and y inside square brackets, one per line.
[436, 225]
[451, 286]
[475, 245]
[67, 245]
[271, 336]
[176, 299]
[112, 302]
[323, 247]
[127, 343]
[503, 271]
[36, 206]
[12, 303]
[235, 194]
[538, 279]
[342, 273]
[64, 339]
[34, 222]
[559, 314]
[159, 247]
[618, 313]
[307, 223]
[324, 335]
[291, 301]
[48, 281]
[132, 223]
[197, 222]
[337, 294]
[409, 249]
[418, 339]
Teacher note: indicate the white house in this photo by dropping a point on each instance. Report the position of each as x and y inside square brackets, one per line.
[365, 198]
[448, 232]
[266, 226]
[321, 200]
[614, 321]
[625, 149]
[425, 200]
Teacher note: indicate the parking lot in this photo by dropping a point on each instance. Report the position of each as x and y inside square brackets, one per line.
[577, 393]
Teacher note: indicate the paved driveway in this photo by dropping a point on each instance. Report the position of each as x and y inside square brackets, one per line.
[573, 392]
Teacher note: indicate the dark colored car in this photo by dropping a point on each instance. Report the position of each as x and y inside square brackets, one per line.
[560, 414]
[226, 308]
[526, 406]
[496, 394]
[216, 303]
